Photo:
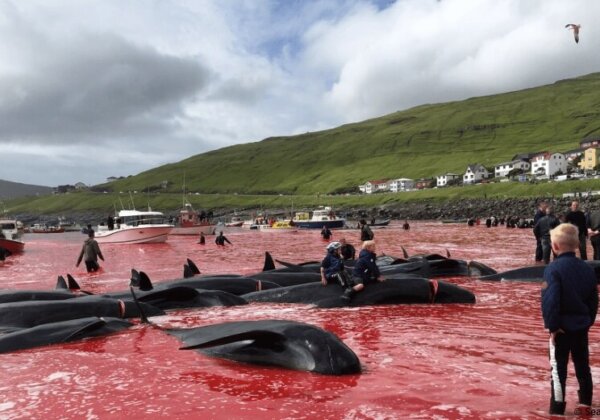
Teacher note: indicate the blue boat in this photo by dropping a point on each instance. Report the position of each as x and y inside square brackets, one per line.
[323, 216]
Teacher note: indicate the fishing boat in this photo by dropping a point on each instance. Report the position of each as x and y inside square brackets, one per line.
[323, 216]
[190, 222]
[10, 237]
[135, 227]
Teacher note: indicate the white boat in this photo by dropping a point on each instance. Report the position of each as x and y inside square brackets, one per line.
[323, 216]
[135, 227]
[190, 222]
[10, 237]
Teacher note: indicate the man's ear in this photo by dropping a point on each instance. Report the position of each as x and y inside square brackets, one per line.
[555, 247]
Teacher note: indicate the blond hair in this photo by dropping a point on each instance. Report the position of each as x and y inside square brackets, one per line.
[368, 245]
[566, 235]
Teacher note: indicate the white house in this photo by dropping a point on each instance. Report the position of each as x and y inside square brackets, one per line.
[443, 180]
[475, 172]
[401, 184]
[504, 168]
[374, 186]
[548, 164]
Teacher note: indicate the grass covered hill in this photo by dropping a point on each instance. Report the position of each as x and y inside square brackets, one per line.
[425, 141]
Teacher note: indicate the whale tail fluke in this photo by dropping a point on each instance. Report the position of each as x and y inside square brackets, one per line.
[269, 263]
[193, 267]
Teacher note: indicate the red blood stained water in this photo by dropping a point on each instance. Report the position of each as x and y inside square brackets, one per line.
[446, 361]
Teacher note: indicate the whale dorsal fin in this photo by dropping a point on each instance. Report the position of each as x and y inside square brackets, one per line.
[269, 263]
[61, 283]
[193, 267]
[187, 271]
[145, 283]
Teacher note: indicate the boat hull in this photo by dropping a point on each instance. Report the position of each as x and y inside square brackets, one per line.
[134, 235]
[314, 224]
[194, 230]
[15, 247]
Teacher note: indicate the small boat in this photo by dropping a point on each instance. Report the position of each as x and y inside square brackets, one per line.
[380, 223]
[323, 216]
[135, 227]
[190, 222]
[10, 237]
[236, 221]
[278, 226]
[39, 228]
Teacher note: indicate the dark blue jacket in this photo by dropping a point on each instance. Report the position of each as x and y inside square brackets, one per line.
[570, 294]
[365, 267]
[332, 264]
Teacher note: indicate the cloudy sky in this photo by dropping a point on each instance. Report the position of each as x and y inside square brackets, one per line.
[97, 88]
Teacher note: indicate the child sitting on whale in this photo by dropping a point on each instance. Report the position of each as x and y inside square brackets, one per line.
[365, 270]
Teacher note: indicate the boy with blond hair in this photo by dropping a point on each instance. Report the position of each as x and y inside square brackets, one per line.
[569, 307]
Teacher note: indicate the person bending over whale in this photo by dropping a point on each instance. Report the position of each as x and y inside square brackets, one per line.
[332, 266]
[347, 250]
[365, 270]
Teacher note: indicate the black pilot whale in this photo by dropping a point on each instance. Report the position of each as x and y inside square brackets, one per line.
[288, 344]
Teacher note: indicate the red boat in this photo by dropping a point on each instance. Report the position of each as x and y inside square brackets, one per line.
[10, 238]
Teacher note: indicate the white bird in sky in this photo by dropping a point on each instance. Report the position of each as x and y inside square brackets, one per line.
[575, 28]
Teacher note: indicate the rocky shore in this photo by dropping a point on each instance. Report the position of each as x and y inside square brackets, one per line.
[417, 210]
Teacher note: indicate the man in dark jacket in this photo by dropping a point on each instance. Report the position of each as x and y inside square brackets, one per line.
[577, 217]
[366, 234]
[594, 232]
[332, 267]
[540, 212]
[542, 230]
[569, 307]
[90, 251]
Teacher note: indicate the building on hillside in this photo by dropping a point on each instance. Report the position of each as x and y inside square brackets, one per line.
[422, 183]
[443, 180]
[475, 173]
[593, 141]
[374, 186]
[80, 186]
[111, 179]
[573, 154]
[401, 184]
[525, 156]
[548, 164]
[504, 168]
[590, 159]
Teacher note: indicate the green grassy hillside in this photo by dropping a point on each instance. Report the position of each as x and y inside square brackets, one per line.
[421, 142]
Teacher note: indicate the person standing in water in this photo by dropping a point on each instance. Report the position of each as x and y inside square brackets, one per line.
[202, 239]
[221, 239]
[90, 251]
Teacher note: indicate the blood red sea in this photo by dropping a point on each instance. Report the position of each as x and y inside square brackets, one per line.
[487, 360]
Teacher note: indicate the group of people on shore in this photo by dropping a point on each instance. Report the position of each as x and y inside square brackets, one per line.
[569, 301]
[588, 226]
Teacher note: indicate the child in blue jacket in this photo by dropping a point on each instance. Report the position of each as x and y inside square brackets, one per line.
[569, 307]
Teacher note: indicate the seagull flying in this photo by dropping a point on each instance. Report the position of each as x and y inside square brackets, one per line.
[575, 30]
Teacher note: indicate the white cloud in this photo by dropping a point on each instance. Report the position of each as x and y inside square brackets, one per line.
[132, 85]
